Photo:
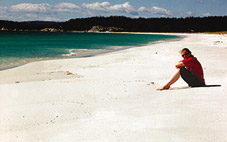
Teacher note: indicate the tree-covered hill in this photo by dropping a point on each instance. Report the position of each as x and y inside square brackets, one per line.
[124, 24]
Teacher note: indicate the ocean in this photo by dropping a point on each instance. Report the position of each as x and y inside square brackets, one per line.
[22, 47]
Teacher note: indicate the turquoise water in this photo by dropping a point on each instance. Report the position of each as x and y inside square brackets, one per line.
[19, 47]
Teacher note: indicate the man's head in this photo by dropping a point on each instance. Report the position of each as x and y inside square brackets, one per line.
[186, 53]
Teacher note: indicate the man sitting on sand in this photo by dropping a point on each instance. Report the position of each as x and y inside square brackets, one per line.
[189, 69]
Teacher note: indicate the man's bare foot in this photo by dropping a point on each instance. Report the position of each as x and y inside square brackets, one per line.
[163, 88]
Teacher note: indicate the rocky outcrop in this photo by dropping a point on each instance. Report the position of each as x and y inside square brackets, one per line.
[51, 30]
[4, 29]
[105, 29]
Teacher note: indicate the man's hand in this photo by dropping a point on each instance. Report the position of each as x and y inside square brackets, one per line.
[163, 88]
[179, 64]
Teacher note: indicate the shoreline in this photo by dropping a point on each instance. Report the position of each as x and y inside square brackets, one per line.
[112, 97]
[91, 53]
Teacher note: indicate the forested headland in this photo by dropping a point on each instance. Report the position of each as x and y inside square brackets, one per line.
[122, 24]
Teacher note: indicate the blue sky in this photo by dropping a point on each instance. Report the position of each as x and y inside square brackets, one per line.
[59, 10]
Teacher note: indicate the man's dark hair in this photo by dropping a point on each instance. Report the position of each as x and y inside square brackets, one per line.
[186, 49]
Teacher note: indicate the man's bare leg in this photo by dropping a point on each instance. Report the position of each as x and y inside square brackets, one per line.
[175, 77]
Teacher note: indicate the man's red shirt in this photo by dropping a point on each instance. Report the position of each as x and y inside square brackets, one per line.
[193, 65]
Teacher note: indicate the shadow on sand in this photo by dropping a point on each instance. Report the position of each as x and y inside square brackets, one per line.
[187, 87]
[212, 86]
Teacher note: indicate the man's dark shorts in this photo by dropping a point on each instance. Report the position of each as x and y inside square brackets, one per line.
[191, 79]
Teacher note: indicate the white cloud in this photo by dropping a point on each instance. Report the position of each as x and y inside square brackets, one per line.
[32, 16]
[163, 16]
[104, 6]
[65, 10]
[206, 14]
[3, 10]
[66, 7]
[4, 14]
[189, 13]
[125, 8]
[28, 7]
[49, 19]
[155, 10]
[143, 9]
[158, 10]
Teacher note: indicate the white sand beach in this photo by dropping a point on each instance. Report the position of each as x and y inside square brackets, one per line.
[112, 97]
